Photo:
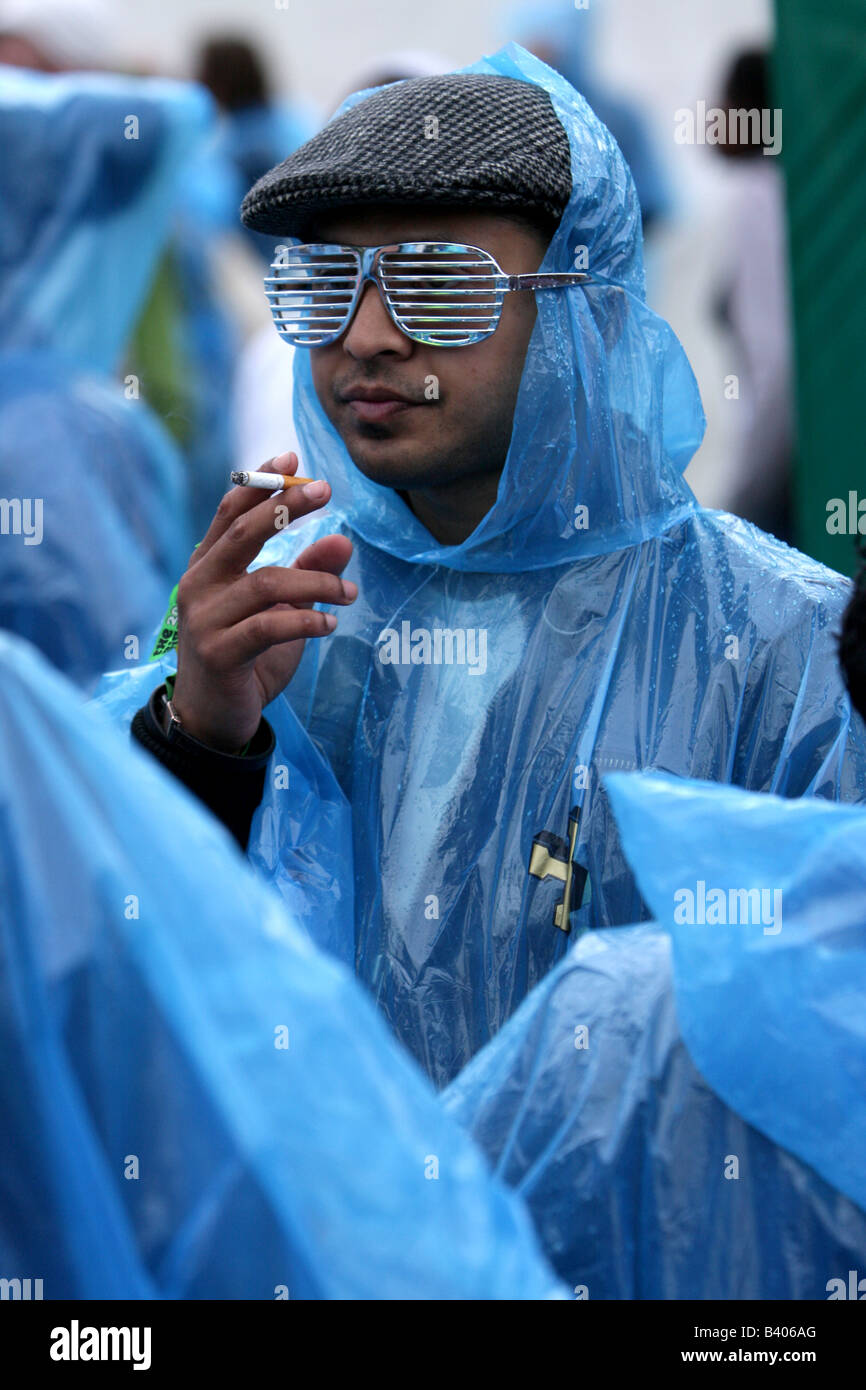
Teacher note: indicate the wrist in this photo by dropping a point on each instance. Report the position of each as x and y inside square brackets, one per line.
[175, 724]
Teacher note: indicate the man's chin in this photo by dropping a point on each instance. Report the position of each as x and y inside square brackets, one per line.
[398, 464]
[399, 473]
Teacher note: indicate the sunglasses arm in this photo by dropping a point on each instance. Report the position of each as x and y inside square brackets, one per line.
[551, 280]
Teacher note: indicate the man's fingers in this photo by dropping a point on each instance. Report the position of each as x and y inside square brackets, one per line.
[330, 554]
[240, 542]
[258, 633]
[239, 500]
[263, 588]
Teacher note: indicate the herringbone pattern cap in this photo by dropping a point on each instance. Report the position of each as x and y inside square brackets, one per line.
[460, 139]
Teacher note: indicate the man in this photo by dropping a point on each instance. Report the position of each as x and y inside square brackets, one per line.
[532, 596]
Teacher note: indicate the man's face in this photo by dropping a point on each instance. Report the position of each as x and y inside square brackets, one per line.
[413, 442]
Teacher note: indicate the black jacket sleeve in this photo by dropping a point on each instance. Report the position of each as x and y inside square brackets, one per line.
[231, 787]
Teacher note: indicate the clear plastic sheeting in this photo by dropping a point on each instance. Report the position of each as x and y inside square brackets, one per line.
[642, 1182]
[196, 1103]
[766, 903]
[655, 635]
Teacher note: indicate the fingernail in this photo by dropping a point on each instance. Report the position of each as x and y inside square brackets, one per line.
[314, 491]
[330, 622]
[350, 589]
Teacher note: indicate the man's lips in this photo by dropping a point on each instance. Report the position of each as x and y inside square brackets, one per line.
[374, 403]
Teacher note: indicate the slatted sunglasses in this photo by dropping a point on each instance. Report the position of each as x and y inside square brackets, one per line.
[442, 293]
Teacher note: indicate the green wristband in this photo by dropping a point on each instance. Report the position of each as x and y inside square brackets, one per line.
[167, 639]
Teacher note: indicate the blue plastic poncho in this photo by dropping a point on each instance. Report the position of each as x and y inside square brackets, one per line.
[772, 1013]
[681, 1104]
[89, 168]
[607, 621]
[196, 1103]
[89, 173]
[89, 568]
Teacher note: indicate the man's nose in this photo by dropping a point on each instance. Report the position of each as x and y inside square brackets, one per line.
[372, 329]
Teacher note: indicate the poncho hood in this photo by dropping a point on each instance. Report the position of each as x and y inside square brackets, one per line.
[608, 413]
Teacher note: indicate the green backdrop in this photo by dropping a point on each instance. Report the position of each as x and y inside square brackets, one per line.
[819, 73]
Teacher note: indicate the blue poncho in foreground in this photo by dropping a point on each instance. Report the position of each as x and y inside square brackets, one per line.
[597, 619]
[89, 169]
[681, 1105]
[196, 1103]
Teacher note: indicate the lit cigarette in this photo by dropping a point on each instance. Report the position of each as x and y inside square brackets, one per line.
[274, 481]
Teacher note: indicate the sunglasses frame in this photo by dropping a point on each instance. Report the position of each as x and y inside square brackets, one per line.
[368, 268]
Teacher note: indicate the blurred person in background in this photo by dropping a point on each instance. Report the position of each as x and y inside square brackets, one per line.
[57, 35]
[88, 189]
[255, 130]
[753, 304]
[566, 39]
[206, 300]
[182, 344]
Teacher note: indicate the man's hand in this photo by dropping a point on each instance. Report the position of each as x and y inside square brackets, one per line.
[241, 635]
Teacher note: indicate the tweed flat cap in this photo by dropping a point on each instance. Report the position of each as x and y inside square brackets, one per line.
[460, 140]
